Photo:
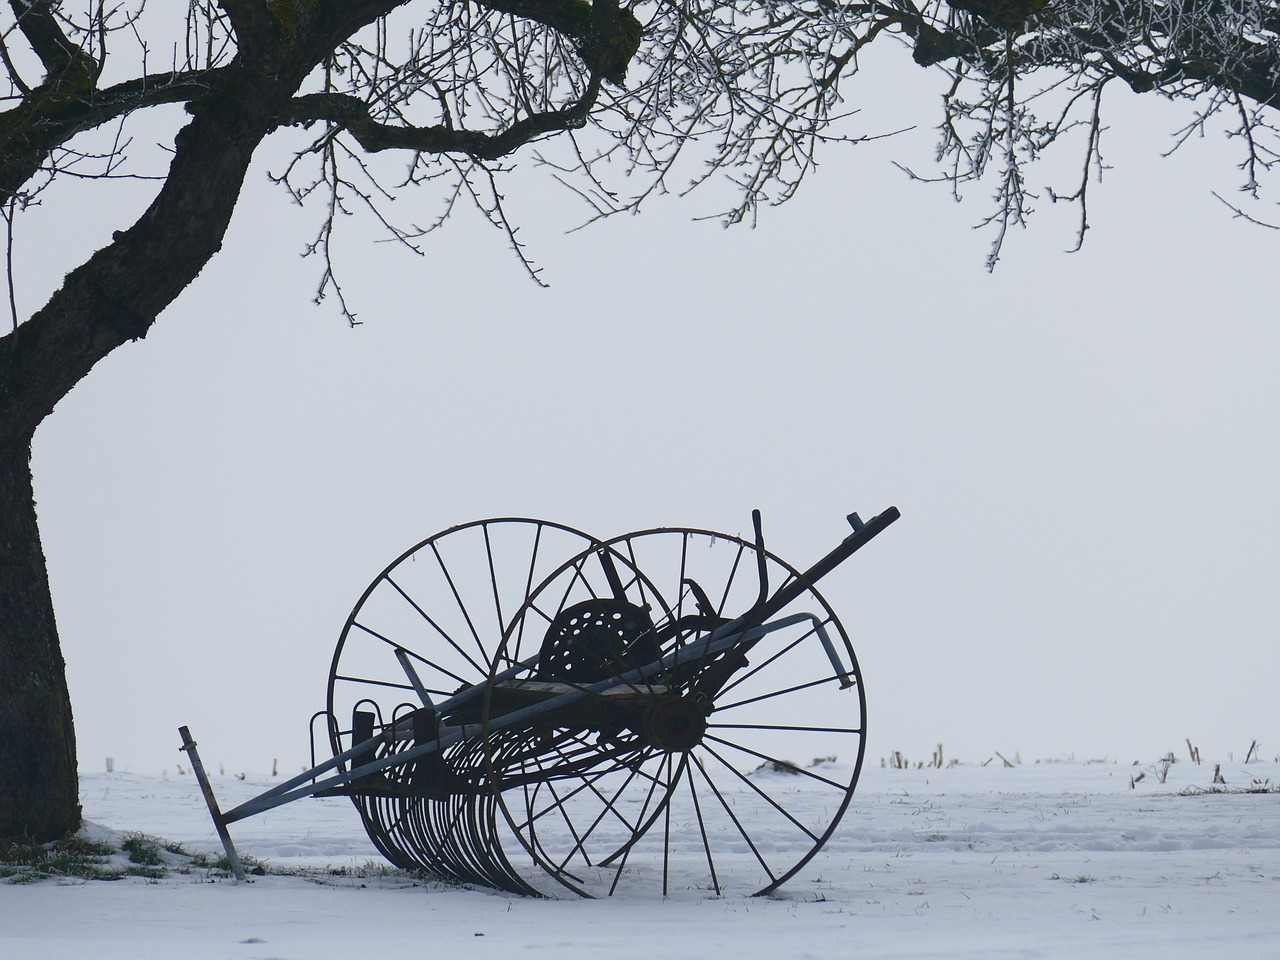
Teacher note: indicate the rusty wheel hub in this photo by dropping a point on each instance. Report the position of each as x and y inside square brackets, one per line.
[677, 724]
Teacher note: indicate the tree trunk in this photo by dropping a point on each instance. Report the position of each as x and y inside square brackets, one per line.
[112, 298]
[39, 790]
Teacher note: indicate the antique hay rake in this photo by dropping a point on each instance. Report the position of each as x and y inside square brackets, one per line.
[516, 704]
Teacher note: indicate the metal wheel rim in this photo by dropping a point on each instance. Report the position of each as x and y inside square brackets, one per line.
[454, 837]
[683, 769]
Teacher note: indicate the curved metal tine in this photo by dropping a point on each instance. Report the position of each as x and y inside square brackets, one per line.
[487, 852]
[481, 849]
[589, 782]
[445, 835]
[658, 811]
[535, 816]
[450, 835]
[623, 852]
[493, 849]
[610, 806]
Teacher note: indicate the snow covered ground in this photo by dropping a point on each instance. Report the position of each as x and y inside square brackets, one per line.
[1041, 860]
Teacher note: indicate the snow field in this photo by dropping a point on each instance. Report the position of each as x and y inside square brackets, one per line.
[1052, 860]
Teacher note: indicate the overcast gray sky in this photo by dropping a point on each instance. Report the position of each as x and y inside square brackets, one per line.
[1083, 447]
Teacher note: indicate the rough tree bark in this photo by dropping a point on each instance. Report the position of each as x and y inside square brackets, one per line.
[38, 786]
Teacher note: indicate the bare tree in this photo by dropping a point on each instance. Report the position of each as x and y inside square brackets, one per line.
[652, 97]
[451, 88]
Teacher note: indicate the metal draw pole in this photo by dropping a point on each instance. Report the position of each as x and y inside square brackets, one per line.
[189, 746]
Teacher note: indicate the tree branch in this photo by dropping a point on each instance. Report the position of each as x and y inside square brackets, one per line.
[607, 36]
[352, 114]
[257, 30]
[43, 122]
[117, 293]
[38, 24]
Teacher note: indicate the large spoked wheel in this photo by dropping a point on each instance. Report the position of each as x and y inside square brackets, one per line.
[431, 624]
[622, 764]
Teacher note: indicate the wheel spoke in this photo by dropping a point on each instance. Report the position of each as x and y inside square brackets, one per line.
[579, 576]
[396, 646]
[579, 789]
[636, 580]
[778, 761]
[624, 851]
[767, 663]
[728, 809]
[781, 726]
[435, 626]
[493, 581]
[590, 784]
[724, 599]
[466, 615]
[666, 828]
[702, 828]
[764, 796]
[394, 685]
[728, 583]
[528, 590]
[721, 707]
[564, 814]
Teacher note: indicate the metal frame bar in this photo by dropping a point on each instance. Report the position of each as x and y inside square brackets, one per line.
[714, 643]
[219, 820]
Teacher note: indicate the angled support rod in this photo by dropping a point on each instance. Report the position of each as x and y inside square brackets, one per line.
[402, 655]
[189, 747]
